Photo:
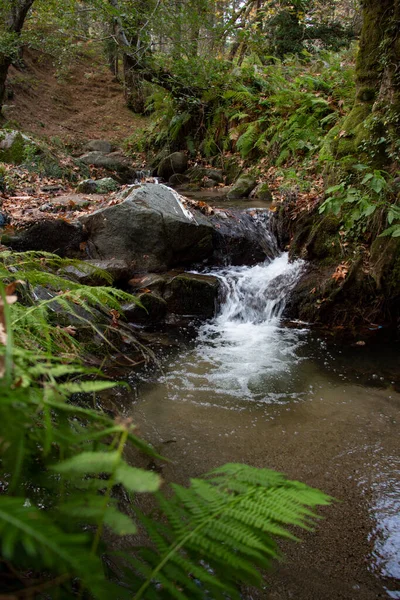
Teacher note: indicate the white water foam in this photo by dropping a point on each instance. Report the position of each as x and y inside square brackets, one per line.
[244, 352]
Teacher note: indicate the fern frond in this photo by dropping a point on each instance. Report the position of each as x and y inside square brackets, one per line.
[226, 526]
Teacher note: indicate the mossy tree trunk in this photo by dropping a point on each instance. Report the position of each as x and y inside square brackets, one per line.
[372, 129]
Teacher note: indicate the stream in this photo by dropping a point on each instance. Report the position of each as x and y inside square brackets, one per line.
[249, 389]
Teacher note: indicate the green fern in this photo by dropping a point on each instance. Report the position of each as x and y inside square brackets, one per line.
[220, 533]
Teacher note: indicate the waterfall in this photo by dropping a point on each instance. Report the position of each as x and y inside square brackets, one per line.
[244, 353]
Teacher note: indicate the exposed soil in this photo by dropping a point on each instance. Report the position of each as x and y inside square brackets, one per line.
[86, 103]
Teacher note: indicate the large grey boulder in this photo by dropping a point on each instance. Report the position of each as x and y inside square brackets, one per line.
[150, 230]
[177, 162]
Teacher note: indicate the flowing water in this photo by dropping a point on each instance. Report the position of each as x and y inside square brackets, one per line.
[248, 389]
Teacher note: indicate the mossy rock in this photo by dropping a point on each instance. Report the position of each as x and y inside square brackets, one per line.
[262, 192]
[316, 238]
[16, 148]
[242, 187]
[323, 243]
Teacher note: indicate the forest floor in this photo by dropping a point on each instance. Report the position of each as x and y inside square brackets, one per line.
[85, 103]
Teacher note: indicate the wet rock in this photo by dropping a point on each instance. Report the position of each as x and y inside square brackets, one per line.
[149, 230]
[262, 192]
[176, 162]
[152, 281]
[178, 179]
[243, 237]
[49, 235]
[242, 187]
[194, 295]
[99, 146]
[153, 309]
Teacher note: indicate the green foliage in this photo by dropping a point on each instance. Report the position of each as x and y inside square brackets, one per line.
[50, 302]
[63, 471]
[283, 110]
[357, 198]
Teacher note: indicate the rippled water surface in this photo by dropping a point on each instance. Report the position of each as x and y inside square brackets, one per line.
[250, 390]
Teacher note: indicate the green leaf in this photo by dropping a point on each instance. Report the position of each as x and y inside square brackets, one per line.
[369, 210]
[86, 386]
[137, 480]
[120, 523]
[378, 184]
[367, 178]
[89, 462]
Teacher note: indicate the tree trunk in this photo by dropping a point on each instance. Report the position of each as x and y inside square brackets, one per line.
[134, 85]
[14, 22]
[4, 65]
[372, 128]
